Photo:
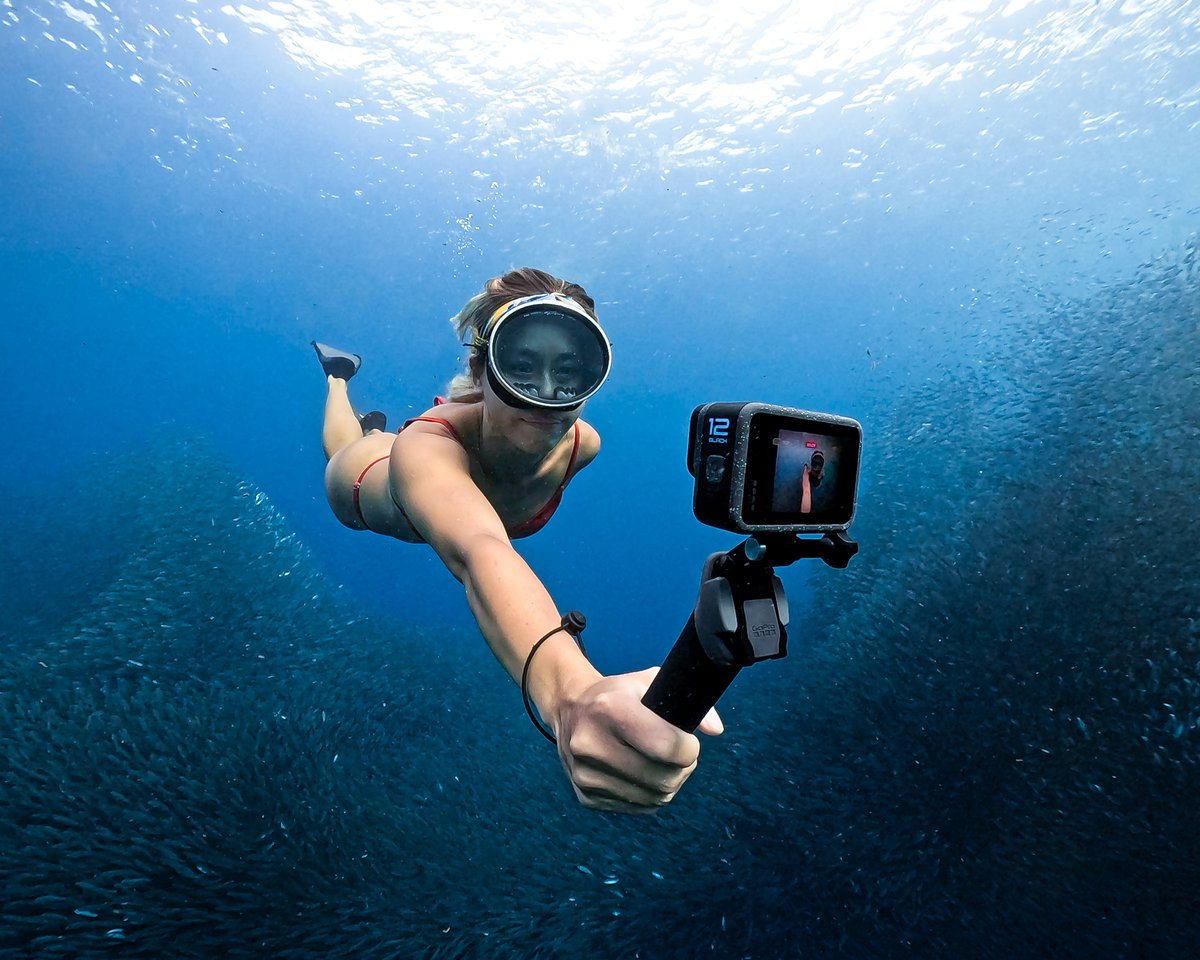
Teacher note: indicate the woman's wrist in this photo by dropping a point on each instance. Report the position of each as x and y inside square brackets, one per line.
[558, 675]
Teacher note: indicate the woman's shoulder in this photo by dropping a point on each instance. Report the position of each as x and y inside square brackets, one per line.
[447, 421]
[459, 417]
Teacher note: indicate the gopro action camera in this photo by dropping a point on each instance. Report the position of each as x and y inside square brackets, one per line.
[761, 468]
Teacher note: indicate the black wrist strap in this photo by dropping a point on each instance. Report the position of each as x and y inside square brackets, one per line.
[572, 624]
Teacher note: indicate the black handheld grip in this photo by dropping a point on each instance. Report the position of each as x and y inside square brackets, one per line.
[689, 682]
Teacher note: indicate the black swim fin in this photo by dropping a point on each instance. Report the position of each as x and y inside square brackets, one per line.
[375, 420]
[337, 363]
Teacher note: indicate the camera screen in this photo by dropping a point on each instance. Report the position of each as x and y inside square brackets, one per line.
[800, 472]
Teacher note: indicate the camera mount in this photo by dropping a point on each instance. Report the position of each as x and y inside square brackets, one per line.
[740, 618]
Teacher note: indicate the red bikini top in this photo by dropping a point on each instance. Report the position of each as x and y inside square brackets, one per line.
[526, 528]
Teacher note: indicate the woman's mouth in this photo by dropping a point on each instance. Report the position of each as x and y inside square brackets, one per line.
[542, 423]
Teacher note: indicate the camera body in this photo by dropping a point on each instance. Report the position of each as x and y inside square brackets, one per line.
[763, 468]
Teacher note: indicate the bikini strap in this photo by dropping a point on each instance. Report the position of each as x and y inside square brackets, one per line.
[445, 423]
[358, 486]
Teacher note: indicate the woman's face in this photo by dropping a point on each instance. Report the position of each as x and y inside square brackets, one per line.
[532, 430]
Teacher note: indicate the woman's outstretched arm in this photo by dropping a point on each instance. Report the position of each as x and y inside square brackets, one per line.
[618, 754]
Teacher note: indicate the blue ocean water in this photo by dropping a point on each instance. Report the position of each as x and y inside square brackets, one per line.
[234, 727]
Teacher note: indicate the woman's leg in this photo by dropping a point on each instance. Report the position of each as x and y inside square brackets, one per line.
[341, 427]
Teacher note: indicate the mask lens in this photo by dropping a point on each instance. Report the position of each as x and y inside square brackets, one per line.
[551, 357]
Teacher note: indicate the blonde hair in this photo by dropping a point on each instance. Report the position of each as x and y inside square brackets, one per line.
[468, 324]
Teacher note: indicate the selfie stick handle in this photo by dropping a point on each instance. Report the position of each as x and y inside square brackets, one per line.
[689, 682]
[740, 618]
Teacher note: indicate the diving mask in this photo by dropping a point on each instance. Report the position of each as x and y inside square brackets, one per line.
[545, 352]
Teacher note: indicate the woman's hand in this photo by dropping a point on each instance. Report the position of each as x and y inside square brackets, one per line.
[620, 755]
